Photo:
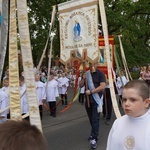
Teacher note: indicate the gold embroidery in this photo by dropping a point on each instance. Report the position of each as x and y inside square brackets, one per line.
[22, 18]
[31, 87]
[28, 64]
[33, 109]
[129, 142]
[16, 115]
[24, 42]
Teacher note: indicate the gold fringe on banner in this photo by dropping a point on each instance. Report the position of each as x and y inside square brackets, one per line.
[28, 63]
[105, 31]
[14, 88]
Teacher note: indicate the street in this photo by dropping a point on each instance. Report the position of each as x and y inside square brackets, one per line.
[70, 130]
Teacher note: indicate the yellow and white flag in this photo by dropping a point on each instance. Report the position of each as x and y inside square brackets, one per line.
[78, 29]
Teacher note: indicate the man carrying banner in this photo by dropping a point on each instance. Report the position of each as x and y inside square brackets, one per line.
[95, 85]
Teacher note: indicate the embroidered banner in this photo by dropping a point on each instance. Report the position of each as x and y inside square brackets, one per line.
[3, 32]
[14, 89]
[78, 29]
[28, 63]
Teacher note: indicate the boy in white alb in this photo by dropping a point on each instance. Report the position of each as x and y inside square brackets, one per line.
[3, 105]
[23, 98]
[59, 83]
[51, 94]
[132, 131]
[40, 91]
[63, 85]
[5, 88]
[121, 81]
[82, 91]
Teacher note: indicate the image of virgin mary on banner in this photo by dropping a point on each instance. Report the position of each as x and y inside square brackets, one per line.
[78, 29]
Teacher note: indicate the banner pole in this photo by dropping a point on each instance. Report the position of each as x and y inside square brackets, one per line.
[105, 31]
[52, 21]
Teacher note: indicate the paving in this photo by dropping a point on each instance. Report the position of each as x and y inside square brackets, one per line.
[70, 130]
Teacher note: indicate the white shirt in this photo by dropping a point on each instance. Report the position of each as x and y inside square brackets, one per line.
[128, 133]
[40, 91]
[52, 90]
[6, 91]
[61, 82]
[3, 105]
[83, 88]
[23, 98]
[121, 81]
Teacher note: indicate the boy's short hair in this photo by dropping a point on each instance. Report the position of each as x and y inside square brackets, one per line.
[16, 135]
[21, 78]
[141, 86]
[6, 79]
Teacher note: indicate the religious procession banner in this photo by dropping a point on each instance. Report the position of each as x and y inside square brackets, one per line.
[102, 58]
[14, 88]
[28, 63]
[3, 32]
[78, 30]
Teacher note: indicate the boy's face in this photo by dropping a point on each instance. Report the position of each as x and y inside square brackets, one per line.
[21, 83]
[133, 104]
[63, 75]
[6, 83]
[51, 77]
[37, 77]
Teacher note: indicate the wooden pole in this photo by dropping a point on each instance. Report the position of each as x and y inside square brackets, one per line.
[86, 84]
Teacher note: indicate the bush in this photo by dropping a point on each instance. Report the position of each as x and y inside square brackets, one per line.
[135, 75]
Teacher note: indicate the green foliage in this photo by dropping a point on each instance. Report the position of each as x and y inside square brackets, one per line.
[131, 20]
[125, 17]
[135, 75]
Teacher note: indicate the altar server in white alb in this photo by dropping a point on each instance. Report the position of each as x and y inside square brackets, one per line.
[51, 94]
[5, 88]
[82, 91]
[3, 105]
[132, 131]
[40, 91]
[121, 81]
[63, 86]
[23, 98]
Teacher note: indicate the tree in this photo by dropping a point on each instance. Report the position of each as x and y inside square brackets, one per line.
[126, 17]
[131, 19]
[39, 20]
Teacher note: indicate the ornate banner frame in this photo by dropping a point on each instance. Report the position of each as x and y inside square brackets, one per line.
[78, 29]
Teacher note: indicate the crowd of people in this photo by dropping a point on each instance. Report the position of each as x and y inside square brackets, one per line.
[48, 88]
[94, 93]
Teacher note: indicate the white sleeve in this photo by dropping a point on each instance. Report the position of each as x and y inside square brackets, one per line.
[119, 83]
[110, 139]
[3, 106]
[43, 92]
